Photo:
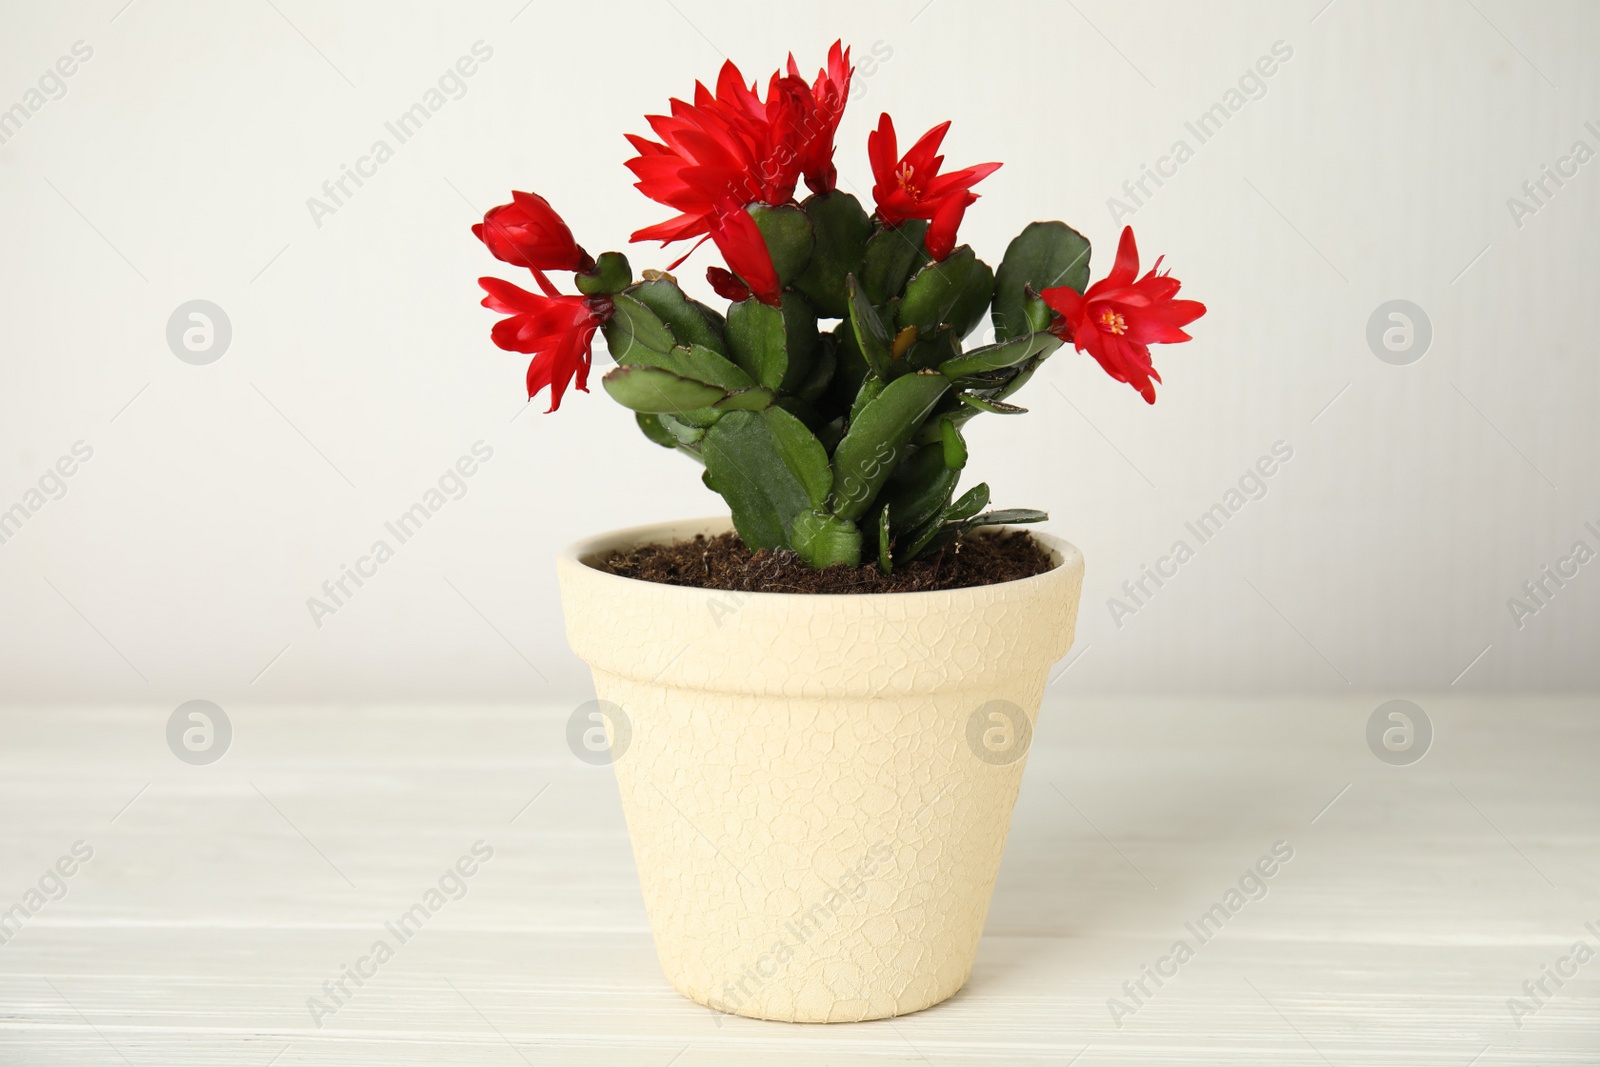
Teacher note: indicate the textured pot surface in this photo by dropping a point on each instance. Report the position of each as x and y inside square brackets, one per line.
[818, 788]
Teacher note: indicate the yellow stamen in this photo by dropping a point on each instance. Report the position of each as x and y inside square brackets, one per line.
[904, 176]
[1112, 322]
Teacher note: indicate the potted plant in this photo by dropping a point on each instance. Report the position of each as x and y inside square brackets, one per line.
[825, 709]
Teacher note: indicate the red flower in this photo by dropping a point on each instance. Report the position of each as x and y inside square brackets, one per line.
[725, 285]
[1118, 319]
[728, 147]
[739, 239]
[558, 330]
[733, 146]
[912, 187]
[528, 233]
[829, 93]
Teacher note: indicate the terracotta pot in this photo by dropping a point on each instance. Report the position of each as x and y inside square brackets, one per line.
[818, 788]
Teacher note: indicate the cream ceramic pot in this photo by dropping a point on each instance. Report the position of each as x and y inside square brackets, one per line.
[818, 788]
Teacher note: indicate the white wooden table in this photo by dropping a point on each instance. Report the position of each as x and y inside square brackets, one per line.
[220, 898]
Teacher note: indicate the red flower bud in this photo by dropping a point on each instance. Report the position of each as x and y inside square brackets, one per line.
[528, 233]
[725, 285]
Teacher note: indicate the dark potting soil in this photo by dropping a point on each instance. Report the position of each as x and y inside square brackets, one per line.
[723, 562]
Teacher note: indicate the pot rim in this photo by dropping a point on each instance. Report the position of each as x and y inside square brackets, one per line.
[1066, 555]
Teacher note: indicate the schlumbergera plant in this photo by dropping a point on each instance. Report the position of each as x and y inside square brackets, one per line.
[838, 443]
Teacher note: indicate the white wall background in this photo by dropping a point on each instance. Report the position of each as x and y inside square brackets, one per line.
[1377, 165]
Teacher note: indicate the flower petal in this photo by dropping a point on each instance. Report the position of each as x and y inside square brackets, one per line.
[739, 240]
[941, 238]
[1126, 267]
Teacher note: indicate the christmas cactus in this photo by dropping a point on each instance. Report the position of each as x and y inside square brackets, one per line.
[828, 404]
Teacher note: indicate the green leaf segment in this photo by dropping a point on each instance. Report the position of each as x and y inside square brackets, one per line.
[842, 442]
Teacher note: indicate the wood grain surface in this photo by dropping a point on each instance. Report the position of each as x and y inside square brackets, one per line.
[220, 899]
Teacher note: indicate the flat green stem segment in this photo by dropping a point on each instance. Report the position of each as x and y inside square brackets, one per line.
[746, 464]
[920, 539]
[756, 340]
[800, 340]
[653, 429]
[955, 291]
[823, 540]
[1006, 517]
[634, 332]
[802, 453]
[953, 444]
[842, 228]
[753, 399]
[683, 431]
[996, 407]
[700, 364]
[920, 488]
[972, 501]
[693, 362]
[869, 391]
[1043, 256]
[885, 559]
[877, 438]
[787, 231]
[656, 391]
[611, 274]
[872, 336]
[949, 523]
[691, 323]
[1000, 356]
[891, 257]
